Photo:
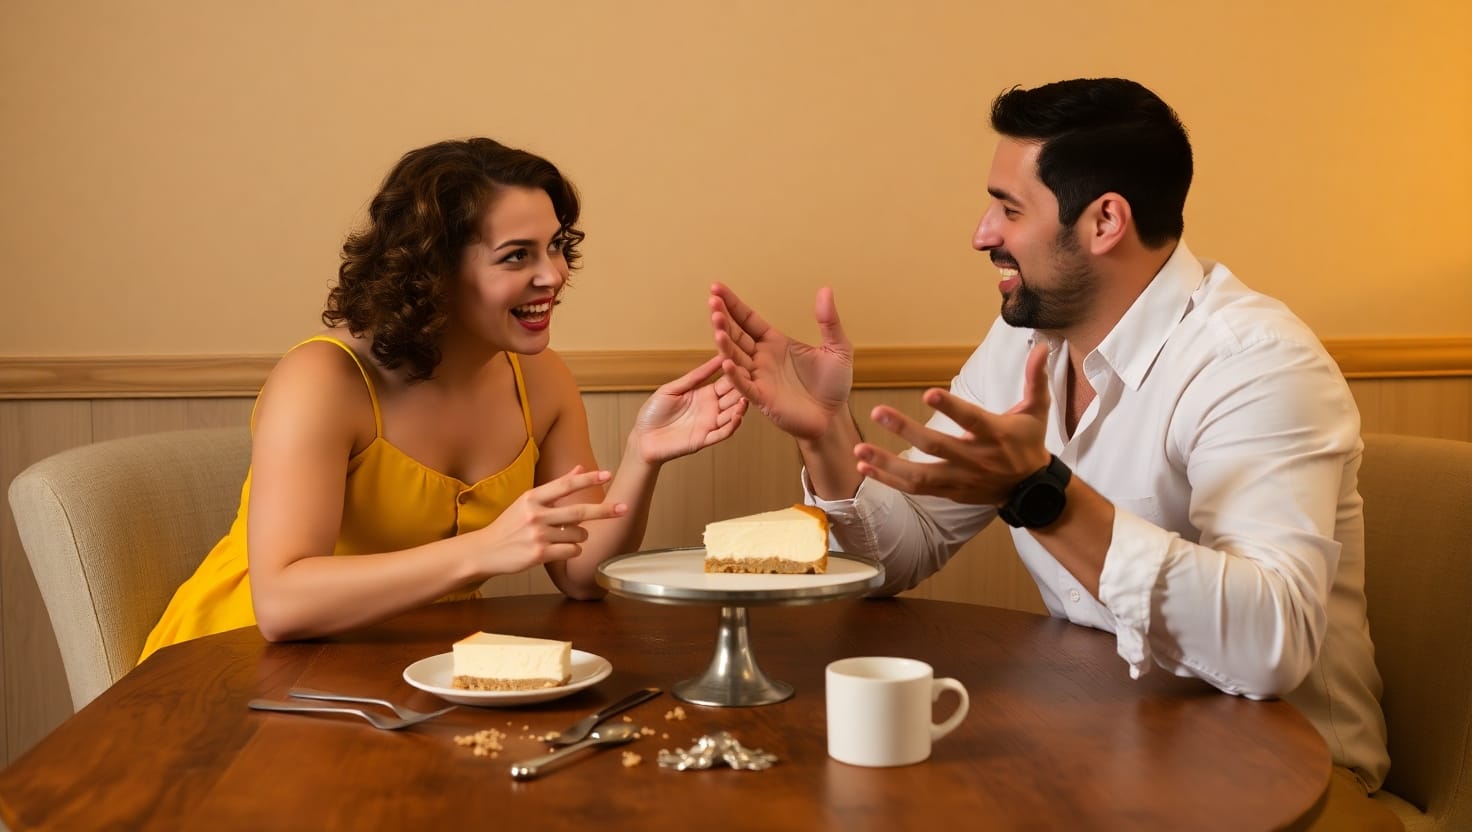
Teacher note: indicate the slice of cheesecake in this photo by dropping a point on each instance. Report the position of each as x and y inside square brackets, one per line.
[488, 661]
[789, 540]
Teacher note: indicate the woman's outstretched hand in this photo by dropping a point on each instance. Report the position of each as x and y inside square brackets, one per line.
[534, 530]
[687, 415]
[800, 387]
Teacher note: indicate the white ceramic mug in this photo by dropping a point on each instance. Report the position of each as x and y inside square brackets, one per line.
[879, 710]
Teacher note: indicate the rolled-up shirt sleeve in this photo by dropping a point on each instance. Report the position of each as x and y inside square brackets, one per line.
[1264, 447]
[911, 536]
[1129, 584]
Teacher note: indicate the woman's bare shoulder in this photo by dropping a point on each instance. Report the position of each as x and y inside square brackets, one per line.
[320, 383]
[550, 387]
[320, 362]
[547, 370]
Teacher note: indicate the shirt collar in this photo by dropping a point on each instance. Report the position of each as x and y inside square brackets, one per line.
[1132, 346]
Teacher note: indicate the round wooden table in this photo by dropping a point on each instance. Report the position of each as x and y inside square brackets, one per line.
[1058, 736]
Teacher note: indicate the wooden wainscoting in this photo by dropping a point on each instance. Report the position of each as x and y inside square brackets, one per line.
[1421, 387]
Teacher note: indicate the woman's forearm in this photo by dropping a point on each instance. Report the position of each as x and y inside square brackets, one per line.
[633, 485]
[323, 595]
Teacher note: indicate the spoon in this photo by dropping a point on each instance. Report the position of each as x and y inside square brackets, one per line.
[579, 731]
[614, 734]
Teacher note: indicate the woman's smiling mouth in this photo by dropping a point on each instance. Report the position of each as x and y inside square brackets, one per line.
[535, 315]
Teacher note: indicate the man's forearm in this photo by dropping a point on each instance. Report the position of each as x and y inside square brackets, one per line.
[1080, 538]
[829, 459]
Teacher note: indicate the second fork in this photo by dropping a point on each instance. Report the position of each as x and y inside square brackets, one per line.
[387, 723]
[309, 693]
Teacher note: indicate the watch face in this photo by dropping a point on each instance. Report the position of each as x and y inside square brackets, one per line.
[1041, 504]
[1039, 499]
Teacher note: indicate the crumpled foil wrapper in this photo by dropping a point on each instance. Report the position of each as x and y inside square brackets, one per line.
[716, 749]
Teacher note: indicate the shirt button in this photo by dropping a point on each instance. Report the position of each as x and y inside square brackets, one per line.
[1073, 595]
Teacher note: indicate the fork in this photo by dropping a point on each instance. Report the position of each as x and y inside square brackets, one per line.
[387, 723]
[404, 713]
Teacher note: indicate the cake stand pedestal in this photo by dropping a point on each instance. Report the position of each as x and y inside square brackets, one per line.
[678, 576]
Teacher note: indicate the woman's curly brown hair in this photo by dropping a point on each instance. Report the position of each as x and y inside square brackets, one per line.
[397, 271]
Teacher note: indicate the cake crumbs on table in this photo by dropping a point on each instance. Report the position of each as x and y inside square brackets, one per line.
[631, 759]
[677, 713]
[484, 743]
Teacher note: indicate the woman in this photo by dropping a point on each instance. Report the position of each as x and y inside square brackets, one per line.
[429, 432]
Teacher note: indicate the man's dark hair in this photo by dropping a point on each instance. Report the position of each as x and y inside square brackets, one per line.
[397, 270]
[1100, 135]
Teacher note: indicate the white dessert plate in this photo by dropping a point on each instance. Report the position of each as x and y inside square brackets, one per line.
[434, 673]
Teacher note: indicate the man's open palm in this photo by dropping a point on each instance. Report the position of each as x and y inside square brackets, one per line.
[799, 387]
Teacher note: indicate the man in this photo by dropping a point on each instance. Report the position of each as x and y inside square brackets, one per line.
[1177, 454]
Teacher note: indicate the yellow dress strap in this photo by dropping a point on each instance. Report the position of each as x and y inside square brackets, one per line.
[526, 406]
[368, 380]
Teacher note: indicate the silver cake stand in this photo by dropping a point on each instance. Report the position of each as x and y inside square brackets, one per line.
[677, 576]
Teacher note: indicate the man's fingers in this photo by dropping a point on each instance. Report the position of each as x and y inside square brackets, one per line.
[825, 310]
[743, 316]
[744, 341]
[885, 477]
[930, 441]
[740, 379]
[731, 351]
[1035, 396]
[893, 470]
[968, 416]
[723, 324]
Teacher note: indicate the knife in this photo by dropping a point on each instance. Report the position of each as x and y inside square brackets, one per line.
[579, 730]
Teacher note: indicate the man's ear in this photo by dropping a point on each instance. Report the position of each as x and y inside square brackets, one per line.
[1107, 221]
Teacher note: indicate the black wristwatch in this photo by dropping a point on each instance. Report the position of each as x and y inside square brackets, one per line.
[1038, 500]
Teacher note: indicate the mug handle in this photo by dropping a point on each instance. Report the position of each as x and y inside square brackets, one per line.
[937, 686]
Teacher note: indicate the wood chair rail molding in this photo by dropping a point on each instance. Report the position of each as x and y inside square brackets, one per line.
[602, 371]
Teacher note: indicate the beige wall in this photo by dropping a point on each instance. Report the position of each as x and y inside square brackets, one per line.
[177, 175]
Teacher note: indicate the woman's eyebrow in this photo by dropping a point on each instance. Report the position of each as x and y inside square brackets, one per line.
[514, 243]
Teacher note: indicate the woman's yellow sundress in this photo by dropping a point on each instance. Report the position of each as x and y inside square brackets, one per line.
[391, 502]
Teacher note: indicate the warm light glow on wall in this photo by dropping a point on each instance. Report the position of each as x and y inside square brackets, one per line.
[178, 175]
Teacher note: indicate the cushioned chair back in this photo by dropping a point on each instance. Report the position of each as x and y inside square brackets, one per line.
[1418, 574]
[111, 530]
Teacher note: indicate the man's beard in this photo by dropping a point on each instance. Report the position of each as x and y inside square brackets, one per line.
[1065, 304]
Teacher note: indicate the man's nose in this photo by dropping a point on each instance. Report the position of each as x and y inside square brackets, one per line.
[986, 236]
